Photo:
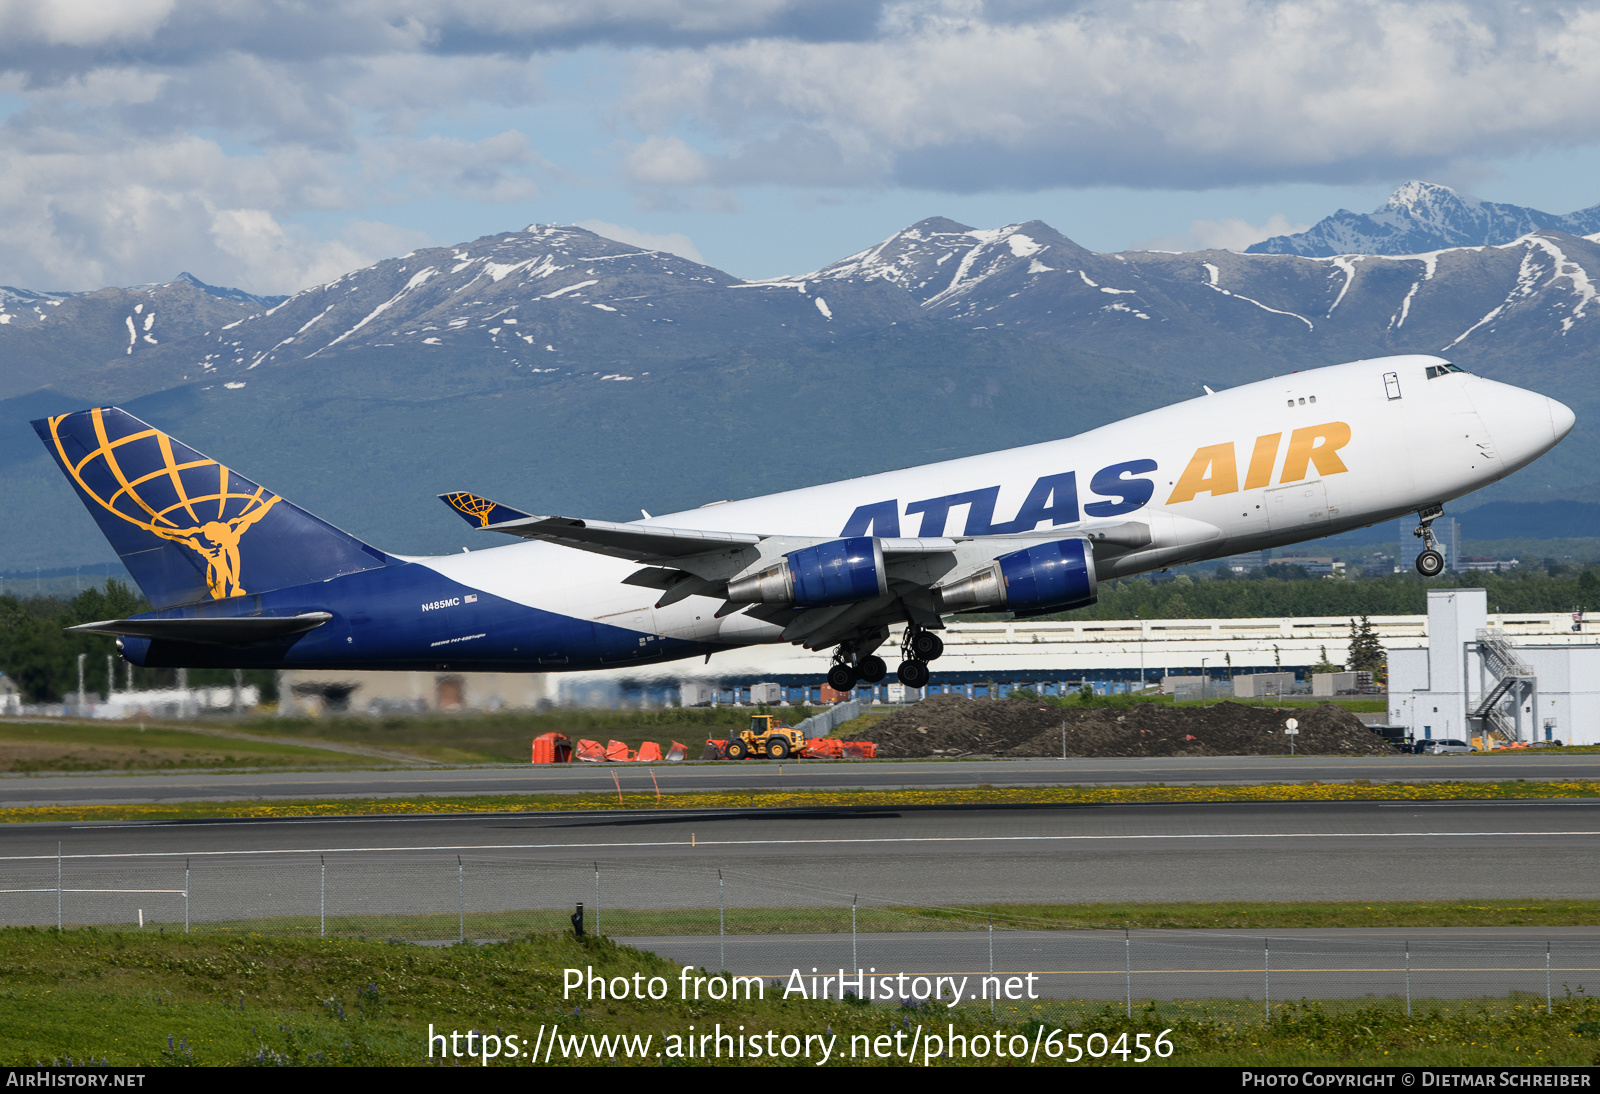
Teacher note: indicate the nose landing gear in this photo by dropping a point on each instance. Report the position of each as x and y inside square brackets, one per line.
[1430, 563]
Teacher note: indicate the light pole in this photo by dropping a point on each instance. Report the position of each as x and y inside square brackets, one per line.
[1203, 661]
[1141, 652]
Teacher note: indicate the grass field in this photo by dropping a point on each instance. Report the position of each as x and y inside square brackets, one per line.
[56, 745]
[65, 745]
[464, 738]
[508, 736]
[899, 919]
[635, 796]
[89, 996]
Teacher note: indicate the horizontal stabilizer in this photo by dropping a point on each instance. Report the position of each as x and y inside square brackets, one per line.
[242, 631]
[481, 512]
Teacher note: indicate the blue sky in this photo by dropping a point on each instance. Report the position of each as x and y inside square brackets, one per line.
[272, 144]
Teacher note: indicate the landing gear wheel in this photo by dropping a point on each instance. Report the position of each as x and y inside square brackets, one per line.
[842, 677]
[913, 674]
[1430, 563]
[778, 749]
[927, 646]
[738, 750]
[872, 669]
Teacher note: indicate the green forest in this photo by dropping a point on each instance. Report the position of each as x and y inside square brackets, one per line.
[1279, 590]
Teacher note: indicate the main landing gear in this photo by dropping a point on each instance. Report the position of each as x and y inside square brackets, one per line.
[1430, 563]
[918, 647]
[845, 675]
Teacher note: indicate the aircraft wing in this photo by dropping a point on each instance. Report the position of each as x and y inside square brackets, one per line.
[636, 542]
[241, 631]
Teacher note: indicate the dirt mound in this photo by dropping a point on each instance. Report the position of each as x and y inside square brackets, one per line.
[952, 725]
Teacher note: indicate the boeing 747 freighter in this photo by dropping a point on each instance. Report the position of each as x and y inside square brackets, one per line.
[240, 577]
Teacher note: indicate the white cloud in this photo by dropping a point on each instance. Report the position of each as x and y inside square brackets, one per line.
[1222, 235]
[1173, 93]
[74, 216]
[156, 135]
[672, 242]
[665, 161]
[83, 22]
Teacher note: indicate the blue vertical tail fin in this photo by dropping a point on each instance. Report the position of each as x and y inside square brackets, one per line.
[188, 528]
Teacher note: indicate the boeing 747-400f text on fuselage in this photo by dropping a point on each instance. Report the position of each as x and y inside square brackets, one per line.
[240, 577]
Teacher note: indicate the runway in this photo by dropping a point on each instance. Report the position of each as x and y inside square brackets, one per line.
[790, 858]
[110, 788]
[789, 883]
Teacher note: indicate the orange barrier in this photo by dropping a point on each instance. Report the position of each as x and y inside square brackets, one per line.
[616, 750]
[676, 752]
[590, 752]
[551, 748]
[649, 750]
[860, 750]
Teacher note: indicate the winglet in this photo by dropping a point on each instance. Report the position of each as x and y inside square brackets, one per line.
[481, 512]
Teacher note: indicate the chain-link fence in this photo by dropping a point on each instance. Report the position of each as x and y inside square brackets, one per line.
[797, 937]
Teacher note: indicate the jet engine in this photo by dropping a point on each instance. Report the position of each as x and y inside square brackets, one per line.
[841, 571]
[1050, 577]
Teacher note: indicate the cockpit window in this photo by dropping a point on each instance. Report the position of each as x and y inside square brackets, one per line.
[1441, 370]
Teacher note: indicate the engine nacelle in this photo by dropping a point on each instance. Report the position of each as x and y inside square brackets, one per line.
[1050, 577]
[839, 572]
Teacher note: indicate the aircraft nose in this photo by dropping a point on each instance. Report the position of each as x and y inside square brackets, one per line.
[1561, 418]
[1523, 424]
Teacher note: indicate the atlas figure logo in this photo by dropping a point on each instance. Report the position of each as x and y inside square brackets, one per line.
[159, 500]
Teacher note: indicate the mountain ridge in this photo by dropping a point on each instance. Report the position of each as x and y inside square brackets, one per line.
[566, 372]
[1421, 217]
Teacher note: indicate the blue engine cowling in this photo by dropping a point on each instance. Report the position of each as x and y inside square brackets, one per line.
[841, 571]
[1049, 577]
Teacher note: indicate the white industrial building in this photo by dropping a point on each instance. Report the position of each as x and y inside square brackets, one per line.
[1476, 677]
[982, 658]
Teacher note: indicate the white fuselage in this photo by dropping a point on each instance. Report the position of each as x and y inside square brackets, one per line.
[1283, 460]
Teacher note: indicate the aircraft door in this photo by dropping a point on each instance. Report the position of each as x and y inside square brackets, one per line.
[1301, 505]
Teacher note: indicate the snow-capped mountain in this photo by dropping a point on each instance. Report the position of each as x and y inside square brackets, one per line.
[48, 338]
[20, 307]
[1538, 288]
[571, 373]
[546, 299]
[221, 292]
[1421, 217]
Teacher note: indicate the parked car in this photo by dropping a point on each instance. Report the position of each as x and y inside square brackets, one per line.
[1442, 746]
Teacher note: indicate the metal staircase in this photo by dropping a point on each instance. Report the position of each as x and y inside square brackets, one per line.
[1512, 677]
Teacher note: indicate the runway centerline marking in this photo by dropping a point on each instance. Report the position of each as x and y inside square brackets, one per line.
[790, 843]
